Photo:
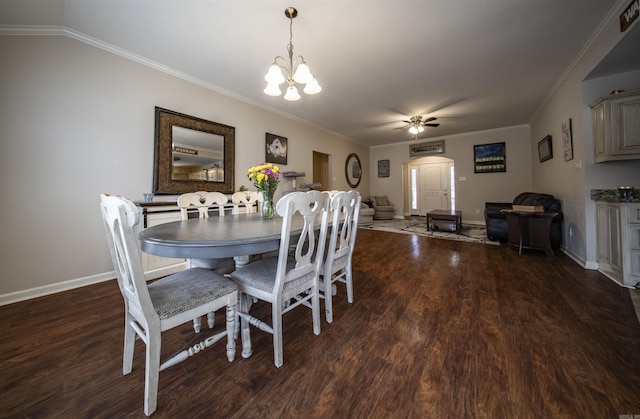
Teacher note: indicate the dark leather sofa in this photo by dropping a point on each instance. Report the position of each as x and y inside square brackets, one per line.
[496, 221]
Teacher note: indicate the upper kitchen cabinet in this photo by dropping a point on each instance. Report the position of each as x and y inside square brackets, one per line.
[616, 127]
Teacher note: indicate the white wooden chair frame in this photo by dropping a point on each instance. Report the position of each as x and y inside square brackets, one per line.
[159, 306]
[247, 200]
[345, 209]
[285, 282]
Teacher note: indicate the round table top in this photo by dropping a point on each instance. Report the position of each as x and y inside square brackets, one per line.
[215, 237]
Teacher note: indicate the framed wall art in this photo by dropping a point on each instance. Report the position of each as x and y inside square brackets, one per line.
[426, 149]
[545, 149]
[383, 168]
[489, 158]
[567, 140]
[276, 149]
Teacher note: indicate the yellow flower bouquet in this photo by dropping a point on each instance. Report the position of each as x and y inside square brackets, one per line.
[265, 178]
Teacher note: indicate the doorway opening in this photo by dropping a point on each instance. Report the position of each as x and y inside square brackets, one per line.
[430, 185]
[321, 170]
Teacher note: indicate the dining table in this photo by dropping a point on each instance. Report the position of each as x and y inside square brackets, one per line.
[238, 236]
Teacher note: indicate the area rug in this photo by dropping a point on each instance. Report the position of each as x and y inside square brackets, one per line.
[469, 232]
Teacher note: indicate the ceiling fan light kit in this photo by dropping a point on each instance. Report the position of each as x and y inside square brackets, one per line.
[292, 71]
[417, 124]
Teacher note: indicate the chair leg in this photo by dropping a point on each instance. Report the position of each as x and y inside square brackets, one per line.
[315, 308]
[349, 282]
[211, 319]
[152, 372]
[231, 325]
[328, 300]
[129, 346]
[276, 318]
[245, 305]
[197, 324]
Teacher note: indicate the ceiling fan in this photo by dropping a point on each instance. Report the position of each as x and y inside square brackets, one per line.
[416, 124]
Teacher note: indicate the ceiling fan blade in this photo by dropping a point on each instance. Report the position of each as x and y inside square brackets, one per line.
[407, 122]
[401, 128]
[431, 125]
[430, 119]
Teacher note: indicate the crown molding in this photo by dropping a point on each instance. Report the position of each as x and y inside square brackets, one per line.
[31, 30]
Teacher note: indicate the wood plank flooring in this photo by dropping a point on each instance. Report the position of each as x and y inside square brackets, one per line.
[438, 329]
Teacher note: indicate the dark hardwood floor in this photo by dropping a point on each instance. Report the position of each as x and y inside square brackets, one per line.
[438, 329]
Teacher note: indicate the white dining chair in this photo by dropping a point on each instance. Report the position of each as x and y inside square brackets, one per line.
[345, 209]
[248, 200]
[203, 202]
[291, 278]
[153, 308]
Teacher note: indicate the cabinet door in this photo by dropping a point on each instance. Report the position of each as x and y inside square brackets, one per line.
[615, 244]
[598, 132]
[602, 233]
[608, 239]
[625, 126]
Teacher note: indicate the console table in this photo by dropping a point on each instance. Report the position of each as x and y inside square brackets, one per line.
[530, 230]
[453, 217]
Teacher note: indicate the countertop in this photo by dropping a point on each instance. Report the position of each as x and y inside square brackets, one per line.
[612, 195]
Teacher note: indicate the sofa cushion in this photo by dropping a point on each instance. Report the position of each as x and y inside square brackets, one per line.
[381, 201]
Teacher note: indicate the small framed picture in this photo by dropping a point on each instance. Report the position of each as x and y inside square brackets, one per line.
[567, 140]
[545, 149]
[383, 168]
[276, 149]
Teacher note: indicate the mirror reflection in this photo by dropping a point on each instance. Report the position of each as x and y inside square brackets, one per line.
[197, 155]
[353, 170]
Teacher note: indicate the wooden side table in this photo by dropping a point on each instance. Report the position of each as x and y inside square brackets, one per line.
[454, 217]
[530, 230]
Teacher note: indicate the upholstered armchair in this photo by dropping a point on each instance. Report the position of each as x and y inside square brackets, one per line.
[383, 209]
[365, 217]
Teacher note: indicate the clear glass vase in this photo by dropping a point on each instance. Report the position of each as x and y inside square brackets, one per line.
[268, 211]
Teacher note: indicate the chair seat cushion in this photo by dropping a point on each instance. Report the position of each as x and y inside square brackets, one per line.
[261, 274]
[188, 289]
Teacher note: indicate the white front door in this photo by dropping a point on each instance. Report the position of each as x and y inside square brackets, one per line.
[430, 187]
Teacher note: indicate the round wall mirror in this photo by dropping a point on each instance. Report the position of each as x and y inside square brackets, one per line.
[353, 170]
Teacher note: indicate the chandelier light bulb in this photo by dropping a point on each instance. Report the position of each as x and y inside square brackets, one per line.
[272, 89]
[420, 128]
[274, 75]
[303, 74]
[312, 87]
[292, 94]
[413, 130]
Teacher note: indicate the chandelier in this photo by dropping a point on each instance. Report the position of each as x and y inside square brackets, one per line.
[292, 71]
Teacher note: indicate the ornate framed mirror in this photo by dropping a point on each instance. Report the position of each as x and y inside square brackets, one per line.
[353, 170]
[192, 154]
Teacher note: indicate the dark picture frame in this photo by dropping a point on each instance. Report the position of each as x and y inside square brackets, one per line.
[383, 168]
[545, 149]
[567, 140]
[489, 158]
[275, 149]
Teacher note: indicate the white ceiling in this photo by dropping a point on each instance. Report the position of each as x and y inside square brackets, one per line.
[473, 64]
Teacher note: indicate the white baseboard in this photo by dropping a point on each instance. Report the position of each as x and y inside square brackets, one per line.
[15, 297]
